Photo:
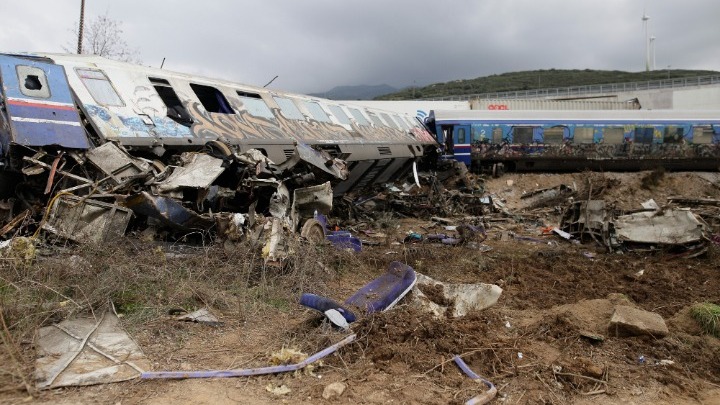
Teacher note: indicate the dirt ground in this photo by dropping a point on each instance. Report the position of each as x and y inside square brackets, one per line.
[546, 341]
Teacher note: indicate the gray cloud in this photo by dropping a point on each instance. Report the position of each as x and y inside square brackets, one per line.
[315, 45]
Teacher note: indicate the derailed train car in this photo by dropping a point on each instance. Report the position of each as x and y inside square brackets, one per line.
[177, 146]
[577, 140]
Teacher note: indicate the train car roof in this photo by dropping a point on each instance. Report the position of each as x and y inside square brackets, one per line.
[573, 115]
[99, 62]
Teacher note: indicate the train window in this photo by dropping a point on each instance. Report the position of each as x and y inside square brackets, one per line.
[461, 135]
[288, 108]
[316, 111]
[673, 134]
[553, 135]
[255, 105]
[410, 122]
[212, 99]
[703, 134]
[339, 114]
[100, 87]
[359, 117]
[375, 119]
[477, 133]
[33, 82]
[644, 135]
[584, 134]
[175, 110]
[613, 136]
[389, 121]
[497, 135]
[523, 135]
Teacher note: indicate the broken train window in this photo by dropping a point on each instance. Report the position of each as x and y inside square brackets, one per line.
[212, 99]
[255, 105]
[33, 82]
[175, 109]
[100, 87]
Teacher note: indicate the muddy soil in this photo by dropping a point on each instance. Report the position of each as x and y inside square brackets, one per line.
[545, 341]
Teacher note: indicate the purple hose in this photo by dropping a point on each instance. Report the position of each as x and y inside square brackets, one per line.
[246, 371]
[479, 399]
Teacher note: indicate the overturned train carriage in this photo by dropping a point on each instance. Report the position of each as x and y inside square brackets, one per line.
[152, 110]
[576, 140]
[182, 148]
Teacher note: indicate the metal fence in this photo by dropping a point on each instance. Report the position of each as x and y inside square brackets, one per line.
[575, 91]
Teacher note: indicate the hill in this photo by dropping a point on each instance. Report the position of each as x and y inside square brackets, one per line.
[537, 79]
[361, 92]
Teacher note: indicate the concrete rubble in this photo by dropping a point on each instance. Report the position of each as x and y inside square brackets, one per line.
[629, 321]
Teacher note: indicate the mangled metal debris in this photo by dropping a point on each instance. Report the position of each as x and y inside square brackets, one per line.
[86, 220]
[651, 227]
[236, 196]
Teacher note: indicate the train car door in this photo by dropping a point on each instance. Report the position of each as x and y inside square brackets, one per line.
[39, 105]
[461, 138]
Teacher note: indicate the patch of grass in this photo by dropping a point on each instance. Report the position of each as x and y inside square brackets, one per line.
[708, 316]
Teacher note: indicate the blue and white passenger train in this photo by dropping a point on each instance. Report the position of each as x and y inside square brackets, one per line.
[576, 140]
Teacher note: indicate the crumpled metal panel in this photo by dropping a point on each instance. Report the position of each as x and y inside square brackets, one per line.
[85, 352]
[199, 171]
[116, 162]
[319, 159]
[671, 227]
[85, 220]
[310, 200]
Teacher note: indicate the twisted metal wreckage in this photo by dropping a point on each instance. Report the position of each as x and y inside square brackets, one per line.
[89, 143]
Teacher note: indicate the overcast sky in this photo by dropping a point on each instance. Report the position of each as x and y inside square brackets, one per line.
[314, 45]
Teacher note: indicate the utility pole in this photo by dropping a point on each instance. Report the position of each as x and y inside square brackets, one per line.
[80, 29]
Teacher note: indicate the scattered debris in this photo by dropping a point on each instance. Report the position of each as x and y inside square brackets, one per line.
[202, 316]
[453, 300]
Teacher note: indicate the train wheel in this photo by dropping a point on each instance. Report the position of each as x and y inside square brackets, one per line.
[218, 149]
[313, 231]
[158, 166]
[498, 169]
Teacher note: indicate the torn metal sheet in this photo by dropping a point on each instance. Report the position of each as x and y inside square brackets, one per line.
[198, 171]
[85, 220]
[319, 159]
[169, 211]
[670, 227]
[464, 297]
[309, 201]
[85, 352]
[116, 163]
[586, 218]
